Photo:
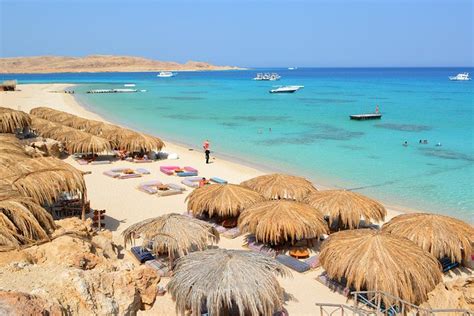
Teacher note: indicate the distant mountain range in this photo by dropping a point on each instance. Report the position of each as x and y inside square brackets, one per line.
[98, 63]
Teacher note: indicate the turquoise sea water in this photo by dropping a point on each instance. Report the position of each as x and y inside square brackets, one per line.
[311, 134]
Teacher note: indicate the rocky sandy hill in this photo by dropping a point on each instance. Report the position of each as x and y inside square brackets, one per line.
[77, 273]
[98, 63]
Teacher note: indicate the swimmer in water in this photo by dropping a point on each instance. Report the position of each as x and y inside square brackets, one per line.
[438, 145]
[405, 144]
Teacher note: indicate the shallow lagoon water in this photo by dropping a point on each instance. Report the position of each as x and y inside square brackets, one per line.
[311, 133]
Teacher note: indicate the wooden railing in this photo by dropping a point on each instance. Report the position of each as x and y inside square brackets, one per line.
[369, 303]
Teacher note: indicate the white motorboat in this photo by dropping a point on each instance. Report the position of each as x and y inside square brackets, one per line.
[286, 89]
[129, 85]
[292, 68]
[460, 77]
[166, 74]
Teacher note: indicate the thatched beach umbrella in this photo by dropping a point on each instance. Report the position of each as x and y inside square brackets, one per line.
[346, 208]
[277, 222]
[11, 120]
[66, 134]
[222, 281]
[173, 234]
[43, 179]
[375, 261]
[43, 111]
[89, 143]
[281, 186]
[132, 141]
[105, 130]
[222, 200]
[11, 150]
[440, 235]
[22, 221]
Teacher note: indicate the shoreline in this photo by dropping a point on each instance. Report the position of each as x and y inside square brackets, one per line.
[82, 105]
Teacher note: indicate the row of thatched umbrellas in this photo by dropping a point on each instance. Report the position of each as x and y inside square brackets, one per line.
[26, 183]
[89, 136]
[400, 259]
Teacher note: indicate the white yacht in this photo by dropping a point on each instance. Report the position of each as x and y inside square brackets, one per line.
[129, 85]
[286, 89]
[460, 77]
[166, 74]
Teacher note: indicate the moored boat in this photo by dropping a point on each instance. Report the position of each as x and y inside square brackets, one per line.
[460, 77]
[286, 89]
[166, 74]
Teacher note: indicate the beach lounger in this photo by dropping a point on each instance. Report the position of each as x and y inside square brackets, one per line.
[149, 190]
[176, 187]
[129, 176]
[160, 267]
[168, 192]
[118, 170]
[187, 174]
[292, 263]
[173, 156]
[192, 182]
[141, 254]
[82, 162]
[129, 159]
[334, 285]
[111, 174]
[313, 261]
[169, 170]
[447, 264]
[142, 160]
[101, 162]
[231, 233]
[142, 171]
[218, 180]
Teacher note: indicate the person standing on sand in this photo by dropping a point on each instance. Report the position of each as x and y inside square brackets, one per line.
[206, 150]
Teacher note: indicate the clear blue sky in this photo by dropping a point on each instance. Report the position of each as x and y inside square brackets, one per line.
[247, 33]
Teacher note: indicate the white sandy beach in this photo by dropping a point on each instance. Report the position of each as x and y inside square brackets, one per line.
[126, 205]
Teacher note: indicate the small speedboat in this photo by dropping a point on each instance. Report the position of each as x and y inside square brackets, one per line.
[286, 89]
[460, 77]
[129, 85]
[166, 74]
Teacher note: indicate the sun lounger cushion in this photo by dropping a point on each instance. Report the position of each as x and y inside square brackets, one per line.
[190, 169]
[313, 261]
[142, 160]
[187, 174]
[101, 162]
[148, 189]
[82, 162]
[142, 171]
[334, 285]
[219, 228]
[259, 247]
[119, 169]
[192, 182]
[218, 180]
[129, 176]
[169, 170]
[130, 159]
[447, 264]
[293, 263]
[176, 187]
[231, 233]
[151, 183]
[111, 174]
[141, 254]
[168, 192]
[160, 267]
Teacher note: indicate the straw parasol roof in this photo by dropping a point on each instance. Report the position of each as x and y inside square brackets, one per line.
[277, 222]
[42, 179]
[440, 235]
[222, 200]
[103, 129]
[221, 281]
[66, 134]
[346, 208]
[11, 120]
[135, 142]
[89, 144]
[22, 221]
[281, 186]
[372, 260]
[11, 150]
[42, 111]
[173, 234]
